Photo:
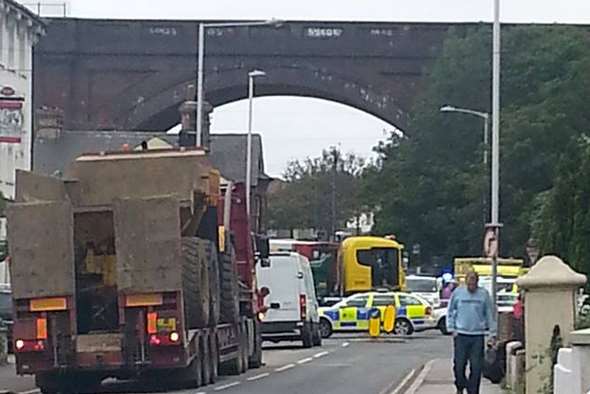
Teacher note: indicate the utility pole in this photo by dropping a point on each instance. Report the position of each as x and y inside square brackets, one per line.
[495, 224]
[333, 197]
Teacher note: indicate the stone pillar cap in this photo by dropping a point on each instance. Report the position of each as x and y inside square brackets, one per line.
[551, 271]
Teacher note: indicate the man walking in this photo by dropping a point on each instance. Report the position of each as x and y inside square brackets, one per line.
[470, 317]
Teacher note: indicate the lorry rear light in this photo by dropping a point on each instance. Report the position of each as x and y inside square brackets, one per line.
[303, 306]
[165, 339]
[42, 328]
[152, 323]
[23, 346]
[174, 337]
[154, 340]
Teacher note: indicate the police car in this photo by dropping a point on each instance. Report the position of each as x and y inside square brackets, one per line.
[413, 313]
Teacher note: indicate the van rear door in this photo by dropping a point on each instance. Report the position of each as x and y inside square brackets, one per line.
[282, 281]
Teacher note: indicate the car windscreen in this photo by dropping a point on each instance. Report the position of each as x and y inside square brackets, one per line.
[420, 285]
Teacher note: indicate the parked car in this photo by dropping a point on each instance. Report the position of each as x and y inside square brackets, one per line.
[292, 312]
[413, 313]
[426, 287]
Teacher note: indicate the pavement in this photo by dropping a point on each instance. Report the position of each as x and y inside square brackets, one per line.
[344, 364]
[437, 378]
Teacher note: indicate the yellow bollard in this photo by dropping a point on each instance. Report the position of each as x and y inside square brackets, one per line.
[374, 323]
[389, 319]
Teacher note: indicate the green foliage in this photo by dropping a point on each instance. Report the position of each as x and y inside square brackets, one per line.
[304, 199]
[432, 187]
[2, 204]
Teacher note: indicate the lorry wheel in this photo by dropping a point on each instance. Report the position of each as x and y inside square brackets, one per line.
[229, 296]
[245, 347]
[205, 360]
[307, 335]
[236, 366]
[195, 371]
[325, 328]
[317, 336]
[214, 287]
[255, 361]
[195, 281]
[213, 357]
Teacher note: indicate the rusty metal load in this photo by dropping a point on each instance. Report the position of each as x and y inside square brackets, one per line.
[123, 217]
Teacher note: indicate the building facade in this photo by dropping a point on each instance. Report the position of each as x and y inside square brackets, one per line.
[19, 31]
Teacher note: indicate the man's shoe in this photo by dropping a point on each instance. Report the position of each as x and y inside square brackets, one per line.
[459, 391]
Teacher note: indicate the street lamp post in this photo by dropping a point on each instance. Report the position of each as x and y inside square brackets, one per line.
[495, 223]
[252, 75]
[201, 63]
[486, 118]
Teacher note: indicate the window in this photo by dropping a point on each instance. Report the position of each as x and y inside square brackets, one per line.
[383, 300]
[408, 300]
[383, 263]
[358, 302]
[421, 285]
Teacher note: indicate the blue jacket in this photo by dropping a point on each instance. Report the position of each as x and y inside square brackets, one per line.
[471, 313]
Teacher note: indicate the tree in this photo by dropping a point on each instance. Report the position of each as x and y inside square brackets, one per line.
[304, 200]
[429, 184]
[563, 225]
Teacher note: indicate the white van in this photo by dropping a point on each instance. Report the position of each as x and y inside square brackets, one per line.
[292, 305]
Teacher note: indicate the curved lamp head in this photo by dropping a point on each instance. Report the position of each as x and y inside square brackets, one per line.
[447, 108]
[256, 73]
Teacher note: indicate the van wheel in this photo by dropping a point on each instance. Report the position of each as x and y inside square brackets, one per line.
[325, 328]
[307, 335]
[403, 327]
[442, 326]
[317, 336]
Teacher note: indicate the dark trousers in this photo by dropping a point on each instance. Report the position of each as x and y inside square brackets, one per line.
[468, 348]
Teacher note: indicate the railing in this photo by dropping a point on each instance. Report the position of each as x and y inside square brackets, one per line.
[48, 9]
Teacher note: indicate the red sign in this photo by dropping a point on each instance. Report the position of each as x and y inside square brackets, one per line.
[11, 120]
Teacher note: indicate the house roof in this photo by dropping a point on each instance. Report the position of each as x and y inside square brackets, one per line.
[227, 151]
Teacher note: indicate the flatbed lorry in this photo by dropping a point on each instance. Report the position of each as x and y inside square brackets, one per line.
[133, 265]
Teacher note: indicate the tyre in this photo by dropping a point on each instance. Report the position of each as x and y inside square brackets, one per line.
[214, 286]
[442, 326]
[205, 359]
[245, 348]
[255, 361]
[317, 335]
[403, 327]
[235, 366]
[213, 357]
[325, 328]
[48, 383]
[229, 293]
[195, 281]
[307, 335]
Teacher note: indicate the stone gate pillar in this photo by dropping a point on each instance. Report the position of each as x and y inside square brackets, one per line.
[550, 309]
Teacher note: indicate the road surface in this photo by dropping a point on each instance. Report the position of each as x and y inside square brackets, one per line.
[345, 364]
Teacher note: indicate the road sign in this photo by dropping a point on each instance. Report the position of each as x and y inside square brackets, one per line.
[490, 243]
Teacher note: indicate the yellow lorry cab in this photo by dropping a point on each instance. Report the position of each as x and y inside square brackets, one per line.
[367, 263]
[508, 268]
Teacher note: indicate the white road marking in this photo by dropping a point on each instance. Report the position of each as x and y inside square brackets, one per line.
[420, 379]
[226, 386]
[262, 375]
[285, 367]
[34, 391]
[305, 360]
[321, 354]
[346, 344]
[403, 383]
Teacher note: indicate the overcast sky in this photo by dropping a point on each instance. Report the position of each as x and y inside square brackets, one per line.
[299, 127]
